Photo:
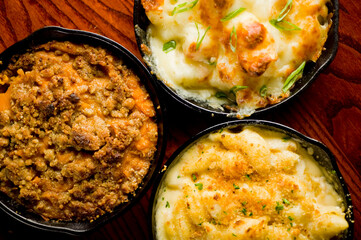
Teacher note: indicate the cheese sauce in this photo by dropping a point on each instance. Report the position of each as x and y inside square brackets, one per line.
[240, 61]
[255, 184]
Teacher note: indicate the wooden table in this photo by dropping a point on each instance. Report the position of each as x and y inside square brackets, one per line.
[329, 110]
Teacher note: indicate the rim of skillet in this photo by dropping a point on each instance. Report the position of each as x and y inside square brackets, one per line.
[305, 140]
[50, 33]
[311, 72]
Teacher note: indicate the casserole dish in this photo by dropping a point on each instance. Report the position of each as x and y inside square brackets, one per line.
[310, 71]
[176, 197]
[59, 34]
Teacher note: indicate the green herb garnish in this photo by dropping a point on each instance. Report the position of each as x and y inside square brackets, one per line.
[183, 7]
[285, 10]
[221, 95]
[236, 88]
[290, 218]
[200, 40]
[167, 205]
[235, 186]
[247, 176]
[292, 78]
[279, 207]
[244, 211]
[285, 201]
[233, 14]
[199, 186]
[234, 235]
[282, 24]
[263, 91]
[286, 138]
[233, 33]
[194, 177]
[169, 46]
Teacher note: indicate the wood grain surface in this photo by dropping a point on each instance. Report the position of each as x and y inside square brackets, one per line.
[329, 110]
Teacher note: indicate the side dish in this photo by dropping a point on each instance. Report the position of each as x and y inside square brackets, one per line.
[248, 184]
[77, 131]
[234, 55]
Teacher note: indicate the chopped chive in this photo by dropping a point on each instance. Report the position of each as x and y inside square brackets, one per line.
[234, 235]
[235, 186]
[236, 88]
[199, 186]
[244, 211]
[286, 138]
[233, 14]
[285, 201]
[244, 203]
[292, 78]
[194, 177]
[233, 33]
[290, 218]
[221, 95]
[169, 46]
[200, 40]
[167, 205]
[183, 7]
[264, 206]
[285, 11]
[247, 176]
[263, 91]
[284, 25]
[279, 207]
[280, 23]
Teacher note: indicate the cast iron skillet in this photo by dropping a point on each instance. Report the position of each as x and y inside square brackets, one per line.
[321, 154]
[61, 34]
[311, 71]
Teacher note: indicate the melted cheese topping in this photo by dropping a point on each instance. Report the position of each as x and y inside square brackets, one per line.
[256, 184]
[246, 50]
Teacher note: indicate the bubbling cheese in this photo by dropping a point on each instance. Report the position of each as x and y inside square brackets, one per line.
[246, 50]
[253, 184]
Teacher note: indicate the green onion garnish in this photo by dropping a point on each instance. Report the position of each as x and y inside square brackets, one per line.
[167, 205]
[284, 25]
[280, 23]
[233, 33]
[233, 14]
[183, 7]
[221, 95]
[285, 11]
[194, 177]
[263, 91]
[292, 78]
[285, 201]
[235, 186]
[236, 88]
[200, 40]
[279, 207]
[169, 46]
[199, 186]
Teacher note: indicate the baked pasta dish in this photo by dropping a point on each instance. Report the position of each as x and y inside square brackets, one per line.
[234, 55]
[77, 131]
[248, 184]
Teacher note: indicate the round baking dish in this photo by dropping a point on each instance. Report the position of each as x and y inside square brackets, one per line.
[50, 33]
[320, 152]
[311, 70]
